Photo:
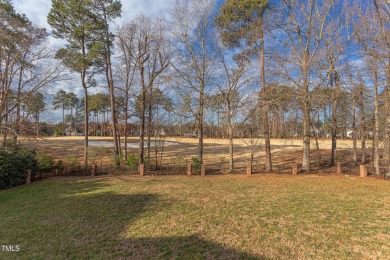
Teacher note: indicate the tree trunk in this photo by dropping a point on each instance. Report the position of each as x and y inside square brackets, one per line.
[126, 117]
[63, 118]
[230, 134]
[37, 122]
[387, 106]
[306, 137]
[18, 96]
[264, 109]
[142, 119]
[150, 117]
[71, 119]
[252, 155]
[5, 125]
[335, 94]
[85, 120]
[110, 82]
[306, 115]
[200, 126]
[362, 124]
[231, 153]
[354, 135]
[386, 154]
[376, 124]
[319, 157]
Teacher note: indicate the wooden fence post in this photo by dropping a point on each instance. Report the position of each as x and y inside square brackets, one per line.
[28, 178]
[338, 168]
[141, 169]
[363, 171]
[202, 170]
[189, 169]
[294, 170]
[249, 168]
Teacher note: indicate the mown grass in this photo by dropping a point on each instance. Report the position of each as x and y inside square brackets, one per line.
[216, 217]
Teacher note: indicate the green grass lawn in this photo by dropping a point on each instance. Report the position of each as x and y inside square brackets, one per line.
[223, 217]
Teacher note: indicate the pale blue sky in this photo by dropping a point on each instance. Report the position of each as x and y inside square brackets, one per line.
[37, 10]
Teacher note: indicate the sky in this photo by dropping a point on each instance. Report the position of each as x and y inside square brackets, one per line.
[37, 11]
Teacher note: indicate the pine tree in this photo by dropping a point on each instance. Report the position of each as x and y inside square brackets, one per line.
[74, 21]
[61, 101]
[244, 19]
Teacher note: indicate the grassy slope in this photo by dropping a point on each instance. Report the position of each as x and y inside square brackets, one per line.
[223, 217]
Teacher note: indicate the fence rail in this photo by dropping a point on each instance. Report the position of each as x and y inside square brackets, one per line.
[346, 168]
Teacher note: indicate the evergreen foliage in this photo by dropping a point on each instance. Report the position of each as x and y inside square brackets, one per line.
[15, 160]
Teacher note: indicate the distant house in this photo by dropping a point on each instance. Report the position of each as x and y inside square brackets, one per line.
[369, 134]
[349, 133]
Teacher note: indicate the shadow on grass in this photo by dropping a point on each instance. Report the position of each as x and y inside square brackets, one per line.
[83, 218]
[189, 247]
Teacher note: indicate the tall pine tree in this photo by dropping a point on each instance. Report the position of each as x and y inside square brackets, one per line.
[74, 21]
[240, 20]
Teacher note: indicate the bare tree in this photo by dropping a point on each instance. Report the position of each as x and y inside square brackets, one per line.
[126, 69]
[244, 21]
[358, 92]
[301, 28]
[233, 92]
[193, 38]
[374, 69]
[360, 97]
[336, 41]
[151, 56]
[25, 64]
[375, 39]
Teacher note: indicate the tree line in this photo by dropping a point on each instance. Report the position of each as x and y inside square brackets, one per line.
[249, 68]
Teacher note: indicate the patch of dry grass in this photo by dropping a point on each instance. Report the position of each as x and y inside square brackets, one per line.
[216, 217]
[216, 151]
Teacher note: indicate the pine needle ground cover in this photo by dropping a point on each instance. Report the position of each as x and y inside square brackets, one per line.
[215, 217]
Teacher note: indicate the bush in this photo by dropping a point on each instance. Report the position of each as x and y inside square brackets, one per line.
[72, 163]
[57, 131]
[132, 161]
[15, 160]
[196, 164]
[45, 162]
[59, 164]
[95, 154]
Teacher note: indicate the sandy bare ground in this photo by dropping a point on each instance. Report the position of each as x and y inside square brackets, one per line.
[216, 151]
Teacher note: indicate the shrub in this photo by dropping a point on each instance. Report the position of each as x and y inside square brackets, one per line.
[96, 153]
[15, 160]
[57, 131]
[132, 161]
[45, 162]
[72, 163]
[196, 164]
[147, 162]
[59, 163]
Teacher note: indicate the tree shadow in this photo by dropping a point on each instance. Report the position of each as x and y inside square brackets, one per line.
[188, 247]
[82, 218]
